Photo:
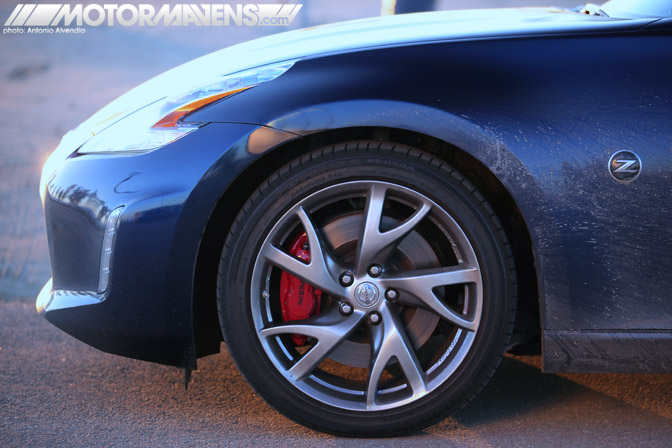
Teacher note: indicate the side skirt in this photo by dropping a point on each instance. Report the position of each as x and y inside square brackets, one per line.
[607, 352]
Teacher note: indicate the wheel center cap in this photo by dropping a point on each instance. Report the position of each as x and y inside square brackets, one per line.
[366, 294]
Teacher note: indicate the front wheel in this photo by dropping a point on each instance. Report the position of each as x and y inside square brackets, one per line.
[367, 289]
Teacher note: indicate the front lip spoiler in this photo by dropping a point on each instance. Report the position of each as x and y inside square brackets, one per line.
[50, 300]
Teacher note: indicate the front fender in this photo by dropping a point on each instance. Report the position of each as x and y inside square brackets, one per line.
[456, 130]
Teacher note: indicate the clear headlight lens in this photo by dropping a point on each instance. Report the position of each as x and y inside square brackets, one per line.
[160, 122]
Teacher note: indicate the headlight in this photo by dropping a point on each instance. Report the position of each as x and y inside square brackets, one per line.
[160, 122]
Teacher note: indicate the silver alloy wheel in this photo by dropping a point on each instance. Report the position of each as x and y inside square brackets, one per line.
[400, 369]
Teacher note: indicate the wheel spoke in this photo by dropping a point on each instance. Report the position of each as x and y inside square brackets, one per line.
[389, 340]
[329, 328]
[375, 245]
[418, 290]
[318, 272]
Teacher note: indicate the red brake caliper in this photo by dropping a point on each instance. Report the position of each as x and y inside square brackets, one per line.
[298, 299]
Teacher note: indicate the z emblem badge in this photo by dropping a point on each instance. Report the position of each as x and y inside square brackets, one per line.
[624, 166]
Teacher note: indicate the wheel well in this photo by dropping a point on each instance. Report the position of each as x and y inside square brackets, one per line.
[207, 333]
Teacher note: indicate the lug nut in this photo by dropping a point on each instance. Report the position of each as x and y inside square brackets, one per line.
[374, 318]
[346, 279]
[391, 294]
[375, 270]
[345, 308]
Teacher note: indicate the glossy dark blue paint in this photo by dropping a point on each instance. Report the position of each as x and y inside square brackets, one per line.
[543, 114]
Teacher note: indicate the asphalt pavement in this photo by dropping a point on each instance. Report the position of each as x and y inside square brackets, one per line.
[56, 391]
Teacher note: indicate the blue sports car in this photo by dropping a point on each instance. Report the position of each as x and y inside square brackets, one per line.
[371, 214]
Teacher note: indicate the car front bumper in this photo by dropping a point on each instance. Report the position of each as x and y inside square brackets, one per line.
[167, 197]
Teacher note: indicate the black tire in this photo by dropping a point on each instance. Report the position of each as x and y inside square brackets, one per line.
[439, 372]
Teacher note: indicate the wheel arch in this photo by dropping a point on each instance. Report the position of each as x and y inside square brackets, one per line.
[205, 322]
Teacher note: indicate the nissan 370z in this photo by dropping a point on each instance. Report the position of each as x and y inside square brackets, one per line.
[371, 214]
